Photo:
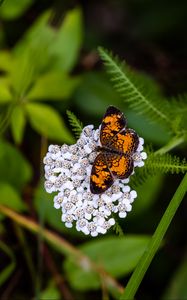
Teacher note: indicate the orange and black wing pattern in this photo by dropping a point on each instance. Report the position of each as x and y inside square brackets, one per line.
[118, 143]
[125, 142]
[112, 123]
[121, 166]
[101, 178]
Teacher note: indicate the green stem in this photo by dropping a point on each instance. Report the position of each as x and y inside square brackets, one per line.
[172, 144]
[155, 242]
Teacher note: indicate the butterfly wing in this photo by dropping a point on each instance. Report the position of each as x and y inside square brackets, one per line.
[115, 160]
[101, 178]
[113, 122]
[121, 166]
[125, 142]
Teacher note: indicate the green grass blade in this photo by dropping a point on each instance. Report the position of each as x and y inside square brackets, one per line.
[155, 242]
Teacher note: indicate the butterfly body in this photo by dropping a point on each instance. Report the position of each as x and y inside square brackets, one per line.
[114, 159]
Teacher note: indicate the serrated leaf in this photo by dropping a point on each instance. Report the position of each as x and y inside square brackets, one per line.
[128, 251]
[165, 163]
[14, 169]
[76, 124]
[10, 197]
[137, 91]
[53, 86]
[46, 121]
[68, 41]
[12, 9]
[18, 124]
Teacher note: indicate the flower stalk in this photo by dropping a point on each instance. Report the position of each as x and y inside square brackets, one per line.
[155, 242]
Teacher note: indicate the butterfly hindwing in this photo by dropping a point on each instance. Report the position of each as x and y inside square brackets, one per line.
[121, 166]
[113, 122]
[101, 178]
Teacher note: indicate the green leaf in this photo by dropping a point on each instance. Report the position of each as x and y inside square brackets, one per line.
[5, 95]
[177, 289]
[10, 197]
[22, 75]
[60, 47]
[68, 41]
[40, 33]
[50, 292]
[8, 270]
[53, 86]
[30, 59]
[119, 263]
[18, 124]
[6, 61]
[12, 9]
[14, 169]
[46, 121]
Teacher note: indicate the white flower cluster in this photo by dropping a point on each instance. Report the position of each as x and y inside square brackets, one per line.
[67, 171]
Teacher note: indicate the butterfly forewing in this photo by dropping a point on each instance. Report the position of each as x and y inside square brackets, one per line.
[113, 122]
[125, 142]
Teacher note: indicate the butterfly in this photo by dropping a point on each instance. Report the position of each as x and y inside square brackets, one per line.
[114, 159]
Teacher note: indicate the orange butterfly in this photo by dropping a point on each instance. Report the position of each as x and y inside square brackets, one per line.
[114, 160]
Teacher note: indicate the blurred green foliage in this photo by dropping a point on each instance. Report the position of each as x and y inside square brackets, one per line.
[37, 62]
[48, 65]
[129, 250]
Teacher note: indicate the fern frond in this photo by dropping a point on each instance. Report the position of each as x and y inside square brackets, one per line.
[156, 164]
[165, 163]
[117, 229]
[178, 107]
[75, 123]
[179, 103]
[135, 91]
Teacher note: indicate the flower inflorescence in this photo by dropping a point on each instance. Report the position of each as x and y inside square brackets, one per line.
[67, 171]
